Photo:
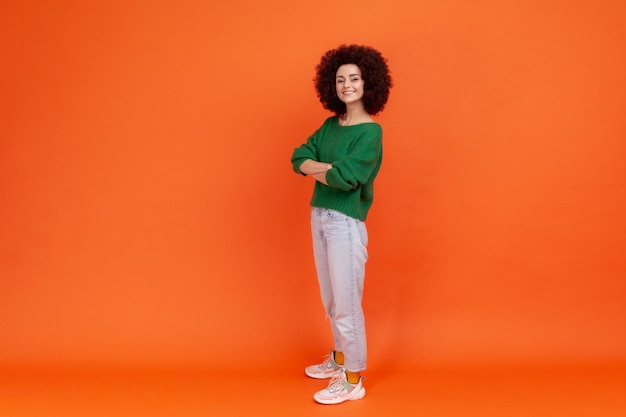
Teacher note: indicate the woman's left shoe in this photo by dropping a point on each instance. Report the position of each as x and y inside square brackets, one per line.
[340, 390]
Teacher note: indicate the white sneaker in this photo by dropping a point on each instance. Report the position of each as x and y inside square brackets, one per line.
[327, 369]
[340, 390]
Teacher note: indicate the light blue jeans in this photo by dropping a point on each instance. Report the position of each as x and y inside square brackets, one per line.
[340, 251]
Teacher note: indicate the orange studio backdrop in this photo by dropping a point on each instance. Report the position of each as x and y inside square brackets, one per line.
[149, 215]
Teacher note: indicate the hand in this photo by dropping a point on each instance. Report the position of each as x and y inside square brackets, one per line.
[321, 177]
[311, 167]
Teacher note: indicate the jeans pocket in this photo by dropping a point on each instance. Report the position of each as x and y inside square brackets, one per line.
[336, 216]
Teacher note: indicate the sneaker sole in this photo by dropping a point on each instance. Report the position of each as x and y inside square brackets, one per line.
[321, 376]
[359, 395]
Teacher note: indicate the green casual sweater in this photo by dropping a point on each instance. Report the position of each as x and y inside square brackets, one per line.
[355, 153]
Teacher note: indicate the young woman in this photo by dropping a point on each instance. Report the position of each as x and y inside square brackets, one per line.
[343, 157]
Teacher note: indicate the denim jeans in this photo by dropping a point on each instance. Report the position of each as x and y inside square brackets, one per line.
[340, 251]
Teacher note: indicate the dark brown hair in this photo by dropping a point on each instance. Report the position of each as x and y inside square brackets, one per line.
[374, 71]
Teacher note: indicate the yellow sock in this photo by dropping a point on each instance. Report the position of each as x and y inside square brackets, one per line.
[353, 377]
[339, 357]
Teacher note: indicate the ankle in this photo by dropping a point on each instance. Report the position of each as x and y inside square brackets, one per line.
[353, 377]
[338, 357]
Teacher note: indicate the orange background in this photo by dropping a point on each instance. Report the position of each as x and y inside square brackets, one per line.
[150, 217]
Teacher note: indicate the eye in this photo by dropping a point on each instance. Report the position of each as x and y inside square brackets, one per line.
[339, 81]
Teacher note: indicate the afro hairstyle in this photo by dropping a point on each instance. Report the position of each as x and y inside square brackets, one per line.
[374, 71]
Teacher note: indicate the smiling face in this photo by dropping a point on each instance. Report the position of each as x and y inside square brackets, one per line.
[349, 83]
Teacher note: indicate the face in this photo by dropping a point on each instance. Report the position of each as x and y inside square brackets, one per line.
[349, 83]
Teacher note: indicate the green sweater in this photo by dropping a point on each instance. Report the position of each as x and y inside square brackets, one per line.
[355, 153]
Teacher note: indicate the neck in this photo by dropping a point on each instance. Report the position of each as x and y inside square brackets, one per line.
[355, 114]
[355, 109]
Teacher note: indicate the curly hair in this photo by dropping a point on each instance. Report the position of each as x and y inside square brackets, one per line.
[374, 71]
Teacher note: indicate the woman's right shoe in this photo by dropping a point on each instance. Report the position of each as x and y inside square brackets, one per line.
[327, 369]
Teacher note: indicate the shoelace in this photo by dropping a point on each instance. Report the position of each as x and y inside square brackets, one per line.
[326, 364]
[336, 383]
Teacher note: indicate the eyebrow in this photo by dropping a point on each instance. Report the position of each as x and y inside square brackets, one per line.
[351, 75]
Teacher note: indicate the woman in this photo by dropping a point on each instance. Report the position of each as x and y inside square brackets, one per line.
[343, 157]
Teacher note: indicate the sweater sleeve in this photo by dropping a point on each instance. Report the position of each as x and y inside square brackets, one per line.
[358, 166]
[308, 150]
